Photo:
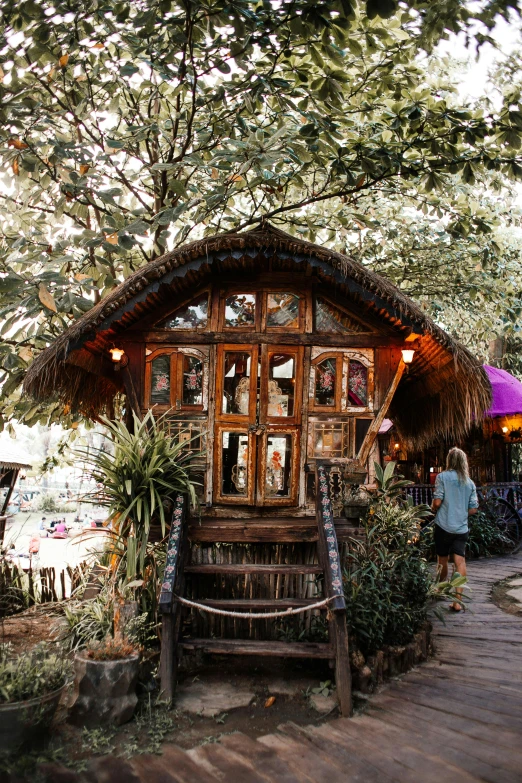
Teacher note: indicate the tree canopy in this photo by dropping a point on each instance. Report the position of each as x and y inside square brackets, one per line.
[128, 128]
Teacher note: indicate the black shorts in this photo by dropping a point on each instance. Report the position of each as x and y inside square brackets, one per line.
[450, 543]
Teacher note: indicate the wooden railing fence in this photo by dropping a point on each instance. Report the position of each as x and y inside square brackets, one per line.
[21, 589]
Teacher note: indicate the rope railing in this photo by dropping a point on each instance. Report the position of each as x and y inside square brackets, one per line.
[253, 615]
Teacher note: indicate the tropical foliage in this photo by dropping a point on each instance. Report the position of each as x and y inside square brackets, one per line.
[138, 474]
[31, 674]
[129, 128]
[388, 583]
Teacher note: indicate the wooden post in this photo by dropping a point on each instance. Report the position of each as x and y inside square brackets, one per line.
[173, 585]
[375, 426]
[3, 515]
[166, 670]
[343, 674]
[331, 562]
[130, 391]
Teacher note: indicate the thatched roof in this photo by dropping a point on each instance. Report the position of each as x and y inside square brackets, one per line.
[12, 459]
[445, 391]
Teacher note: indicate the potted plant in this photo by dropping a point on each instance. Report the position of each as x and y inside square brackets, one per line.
[106, 675]
[31, 685]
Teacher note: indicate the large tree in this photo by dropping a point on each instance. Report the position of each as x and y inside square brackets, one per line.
[131, 127]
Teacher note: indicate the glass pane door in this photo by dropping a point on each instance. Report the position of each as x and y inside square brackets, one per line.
[236, 383]
[258, 409]
[278, 466]
[234, 461]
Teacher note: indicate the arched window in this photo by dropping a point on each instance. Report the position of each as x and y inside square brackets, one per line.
[327, 382]
[176, 378]
[160, 380]
[357, 384]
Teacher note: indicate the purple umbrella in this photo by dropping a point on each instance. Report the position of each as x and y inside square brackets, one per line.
[507, 393]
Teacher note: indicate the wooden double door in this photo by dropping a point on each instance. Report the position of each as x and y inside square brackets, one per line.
[258, 404]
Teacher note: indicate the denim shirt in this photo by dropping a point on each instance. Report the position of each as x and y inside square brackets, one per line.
[457, 498]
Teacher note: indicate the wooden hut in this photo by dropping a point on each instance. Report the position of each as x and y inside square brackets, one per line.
[11, 463]
[281, 356]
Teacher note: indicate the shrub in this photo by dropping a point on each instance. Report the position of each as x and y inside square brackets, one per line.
[88, 621]
[111, 649]
[387, 581]
[92, 621]
[138, 482]
[485, 537]
[48, 503]
[31, 674]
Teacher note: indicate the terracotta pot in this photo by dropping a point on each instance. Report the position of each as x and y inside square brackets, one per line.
[23, 721]
[104, 691]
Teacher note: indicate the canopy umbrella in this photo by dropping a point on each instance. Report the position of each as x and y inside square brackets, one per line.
[507, 393]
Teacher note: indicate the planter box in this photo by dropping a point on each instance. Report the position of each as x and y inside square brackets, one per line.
[355, 510]
[104, 691]
[22, 721]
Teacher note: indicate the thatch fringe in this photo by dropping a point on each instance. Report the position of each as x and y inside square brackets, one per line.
[446, 391]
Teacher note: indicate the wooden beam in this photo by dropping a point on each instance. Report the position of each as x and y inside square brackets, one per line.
[373, 430]
[130, 391]
[3, 517]
[356, 340]
[330, 560]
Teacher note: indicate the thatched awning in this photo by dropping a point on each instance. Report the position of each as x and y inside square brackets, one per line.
[444, 393]
[11, 459]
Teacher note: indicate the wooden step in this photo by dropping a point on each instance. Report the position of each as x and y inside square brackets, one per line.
[264, 530]
[253, 568]
[240, 604]
[265, 648]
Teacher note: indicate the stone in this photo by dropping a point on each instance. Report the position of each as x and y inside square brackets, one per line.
[515, 582]
[104, 691]
[516, 594]
[322, 703]
[211, 698]
[281, 687]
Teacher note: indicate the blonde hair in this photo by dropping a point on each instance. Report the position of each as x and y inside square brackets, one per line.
[457, 461]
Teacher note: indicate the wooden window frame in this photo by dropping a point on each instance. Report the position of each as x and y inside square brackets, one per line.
[339, 365]
[291, 350]
[176, 380]
[300, 328]
[234, 291]
[357, 356]
[367, 329]
[219, 497]
[260, 322]
[238, 418]
[169, 330]
[291, 499]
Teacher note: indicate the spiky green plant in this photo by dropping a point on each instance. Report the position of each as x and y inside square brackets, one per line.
[138, 477]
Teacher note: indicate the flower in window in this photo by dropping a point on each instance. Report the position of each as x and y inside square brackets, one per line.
[162, 382]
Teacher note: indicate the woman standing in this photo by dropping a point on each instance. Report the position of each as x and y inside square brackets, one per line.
[454, 500]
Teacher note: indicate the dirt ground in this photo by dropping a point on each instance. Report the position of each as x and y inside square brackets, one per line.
[27, 629]
[281, 690]
[504, 601]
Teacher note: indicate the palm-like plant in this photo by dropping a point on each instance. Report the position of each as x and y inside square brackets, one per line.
[138, 479]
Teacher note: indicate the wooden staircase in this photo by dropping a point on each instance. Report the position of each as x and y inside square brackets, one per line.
[328, 569]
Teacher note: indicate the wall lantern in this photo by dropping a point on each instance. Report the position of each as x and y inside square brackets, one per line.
[504, 430]
[119, 357]
[407, 355]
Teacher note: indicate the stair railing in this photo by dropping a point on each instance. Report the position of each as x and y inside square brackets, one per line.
[333, 583]
[169, 606]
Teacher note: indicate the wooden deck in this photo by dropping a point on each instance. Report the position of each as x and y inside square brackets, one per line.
[456, 718]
